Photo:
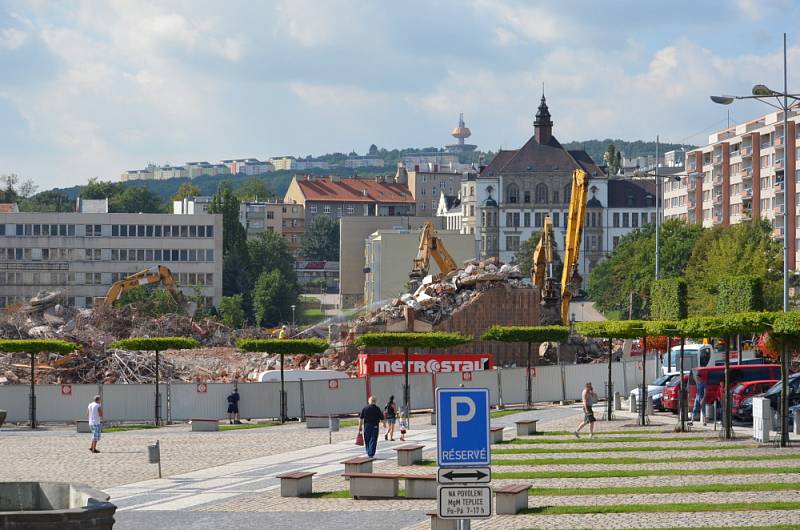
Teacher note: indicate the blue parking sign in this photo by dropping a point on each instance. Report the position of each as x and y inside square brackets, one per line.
[462, 427]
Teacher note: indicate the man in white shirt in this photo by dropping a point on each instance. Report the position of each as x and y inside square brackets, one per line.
[95, 415]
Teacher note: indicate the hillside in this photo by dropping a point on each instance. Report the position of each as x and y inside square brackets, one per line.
[596, 148]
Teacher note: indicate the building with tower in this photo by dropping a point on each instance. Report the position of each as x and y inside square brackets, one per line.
[461, 133]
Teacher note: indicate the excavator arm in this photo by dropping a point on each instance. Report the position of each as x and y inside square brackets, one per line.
[149, 276]
[430, 245]
[570, 279]
[543, 255]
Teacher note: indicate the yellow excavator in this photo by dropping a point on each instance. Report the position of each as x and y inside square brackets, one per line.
[430, 245]
[156, 274]
[544, 256]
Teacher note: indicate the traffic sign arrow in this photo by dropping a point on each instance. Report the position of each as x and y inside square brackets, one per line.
[464, 475]
[477, 476]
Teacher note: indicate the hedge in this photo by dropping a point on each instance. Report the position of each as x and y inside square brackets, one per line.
[283, 346]
[412, 340]
[737, 294]
[669, 299]
[661, 328]
[527, 333]
[37, 346]
[612, 329]
[786, 324]
[156, 343]
[725, 326]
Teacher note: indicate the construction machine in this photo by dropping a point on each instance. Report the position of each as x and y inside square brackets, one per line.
[544, 257]
[157, 274]
[430, 245]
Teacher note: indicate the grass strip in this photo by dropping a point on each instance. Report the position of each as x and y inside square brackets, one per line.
[690, 488]
[613, 473]
[505, 412]
[125, 428]
[597, 440]
[576, 450]
[341, 494]
[245, 426]
[601, 433]
[348, 423]
[664, 508]
[640, 460]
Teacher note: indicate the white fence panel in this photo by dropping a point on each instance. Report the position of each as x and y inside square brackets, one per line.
[478, 379]
[54, 405]
[259, 400]
[187, 403]
[132, 402]
[348, 397]
[422, 391]
[384, 386]
[14, 400]
[514, 385]
[547, 383]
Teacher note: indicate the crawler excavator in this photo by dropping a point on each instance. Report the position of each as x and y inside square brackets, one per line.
[156, 274]
[430, 246]
[544, 257]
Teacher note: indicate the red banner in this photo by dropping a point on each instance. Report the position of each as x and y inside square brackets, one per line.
[392, 364]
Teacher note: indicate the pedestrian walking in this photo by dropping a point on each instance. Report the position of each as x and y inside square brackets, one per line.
[95, 414]
[403, 425]
[368, 421]
[390, 411]
[233, 407]
[589, 398]
[700, 397]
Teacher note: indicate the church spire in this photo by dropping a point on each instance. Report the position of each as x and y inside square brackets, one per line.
[543, 124]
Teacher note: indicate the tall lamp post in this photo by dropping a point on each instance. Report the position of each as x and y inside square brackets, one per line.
[293, 308]
[764, 94]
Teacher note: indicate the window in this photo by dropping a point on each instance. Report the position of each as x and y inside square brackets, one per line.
[512, 243]
[555, 219]
[327, 208]
[625, 220]
[270, 215]
[555, 196]
[123, 230]
[537, 219]
[114, 230]
[92, 230]
[527, 197]
[184, 231]
[312, 208]
[615, 242]
[512, 194]
[541, 193]
[350, 211]
[567, 193]
[149, 231]
[527, 219]
[471, 210]
[210, 231]
[635, 220]
[20, 229]
[615, 220]
[140, 231]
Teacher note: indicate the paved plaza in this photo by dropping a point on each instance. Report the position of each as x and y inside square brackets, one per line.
[228, 479]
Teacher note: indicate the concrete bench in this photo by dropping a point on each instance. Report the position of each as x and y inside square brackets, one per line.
[497, 434]
[83, 426]
[373, 485]
[512, 499]
[420, 486]
[526, 427]
[408, 455]
[322, 422]
[359, 464]
[204, 425]
[296, 484]
[437, 523]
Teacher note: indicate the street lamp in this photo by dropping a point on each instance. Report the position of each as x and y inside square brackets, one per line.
[763, 93]
[293, 308]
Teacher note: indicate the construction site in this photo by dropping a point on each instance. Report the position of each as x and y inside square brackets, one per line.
[467, 299]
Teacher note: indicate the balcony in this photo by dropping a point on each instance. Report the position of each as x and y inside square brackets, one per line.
[717, 159]
[747, 193]
[778, 141]
[746, 151]
[777, 209]
[717, 180]
[717, 200]
[777, 232]
[778, 164]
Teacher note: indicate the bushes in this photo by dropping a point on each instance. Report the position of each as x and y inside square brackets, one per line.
[669, 299]
[37, 346]
[231, 310]
[527, 333]
[412, 340]
[736, 294]
[156, 343]
[612, 329]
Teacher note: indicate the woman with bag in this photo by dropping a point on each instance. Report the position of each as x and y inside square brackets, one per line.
[589, 398]
[391, 418]
[368, 421]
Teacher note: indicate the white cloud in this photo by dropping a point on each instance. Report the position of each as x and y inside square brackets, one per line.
[516, 22]
[12, 38]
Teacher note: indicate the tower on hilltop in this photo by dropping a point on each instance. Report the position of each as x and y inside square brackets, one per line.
[461, 133]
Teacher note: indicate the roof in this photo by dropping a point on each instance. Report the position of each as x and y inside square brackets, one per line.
[536, 157]
[354, 190]
[619, 190]
[451, 201]
[8, 207]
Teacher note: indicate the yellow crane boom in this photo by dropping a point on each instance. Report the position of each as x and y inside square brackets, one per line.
[156, 274]
[430, 245]
[542, 272]
[570, 279]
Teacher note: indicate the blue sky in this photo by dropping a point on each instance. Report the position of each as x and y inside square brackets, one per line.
[92, 88]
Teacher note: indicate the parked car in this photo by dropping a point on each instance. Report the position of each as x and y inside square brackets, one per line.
[745, 410]
[714, 378]
[670, 396]
[656, 389]
[748, 389]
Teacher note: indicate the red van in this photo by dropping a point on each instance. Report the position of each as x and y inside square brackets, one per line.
[670, 395]
[714, 378]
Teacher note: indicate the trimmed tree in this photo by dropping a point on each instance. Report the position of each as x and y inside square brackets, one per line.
[283, 347]
[618, 329]
[786, 333]
[530, 335]
[32, 348]
[408, 341]
[670, 303]
[156, 344]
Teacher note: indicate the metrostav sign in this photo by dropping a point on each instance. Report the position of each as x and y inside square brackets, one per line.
[392, 364]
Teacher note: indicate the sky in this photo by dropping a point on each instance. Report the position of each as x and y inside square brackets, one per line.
[94, 88]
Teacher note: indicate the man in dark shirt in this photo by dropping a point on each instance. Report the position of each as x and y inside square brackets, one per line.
[233, 406]
[368, 421]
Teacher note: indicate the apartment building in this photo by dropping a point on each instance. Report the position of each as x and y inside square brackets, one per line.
[82, 254]
[248, 166]
[428, 183]
[739, 175]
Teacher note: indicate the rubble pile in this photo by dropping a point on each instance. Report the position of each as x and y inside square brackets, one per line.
[437, 299]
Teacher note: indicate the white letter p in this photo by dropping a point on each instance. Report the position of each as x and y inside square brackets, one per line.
[455, 417]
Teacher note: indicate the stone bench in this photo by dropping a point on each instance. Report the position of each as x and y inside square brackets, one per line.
[83, 426]
[420, 486]
[512, 499]
[204, 425]
[437, 523]
[359, 464]
[526, 427]
[296, 484]
[408, 455]
[322, 422]
[373, 485]
[496, 434]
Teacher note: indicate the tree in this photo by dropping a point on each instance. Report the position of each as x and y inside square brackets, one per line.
[47, 201]
[150, 302]
[253, 189]
[231, 310]
[234, 242]
[99, 189]
[15, 190]
[373, 150]
[269, 251]
[613, 159]
[135, 199]
[738, 250]
[320, 242]
[186, 190]
[630, 268]
[273, 296]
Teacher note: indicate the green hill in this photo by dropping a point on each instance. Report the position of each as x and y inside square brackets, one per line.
[596, 148]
